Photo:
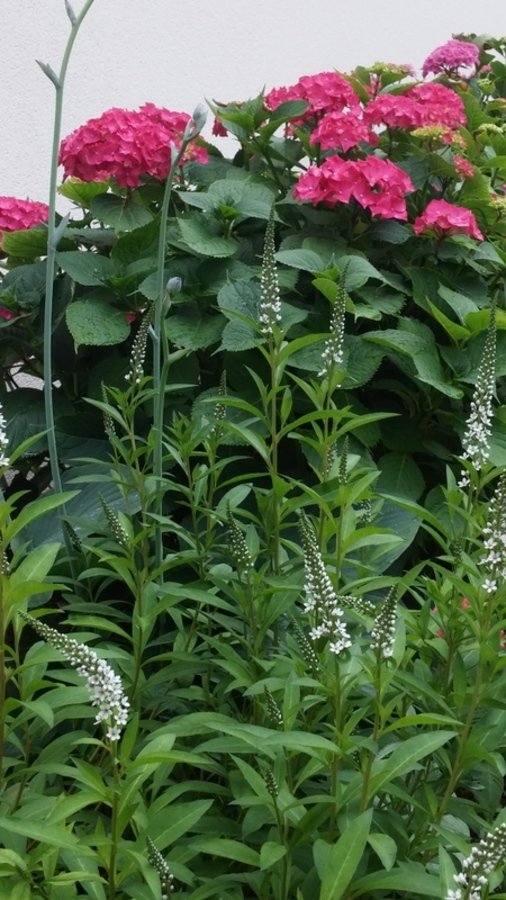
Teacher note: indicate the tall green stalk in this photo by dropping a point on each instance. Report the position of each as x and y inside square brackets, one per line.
[53, 236]
[163, 290]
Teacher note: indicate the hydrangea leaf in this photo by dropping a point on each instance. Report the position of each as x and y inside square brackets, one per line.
[95, 323]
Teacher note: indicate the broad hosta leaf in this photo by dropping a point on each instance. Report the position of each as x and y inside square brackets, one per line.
[96, 323]
[122, 213]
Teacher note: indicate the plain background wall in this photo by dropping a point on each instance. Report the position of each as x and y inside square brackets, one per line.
[177, 54]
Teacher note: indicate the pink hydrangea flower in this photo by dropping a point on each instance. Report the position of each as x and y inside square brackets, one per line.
[324, 92]
[342, 130]
[18, 214]
[126, 145]
[424, 104]
[451, 58]
[437, 105]
[392, 110]
[376, 184]
[463, 166]
[446, 219]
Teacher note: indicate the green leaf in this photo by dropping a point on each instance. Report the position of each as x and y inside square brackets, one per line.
[409, 879]
[270, 854]
[40, 831]
[204, 238]
[404, 758]
[192, 328]
[166, 826]
[87, 268]
[229, 849]
[82, 192]
[121, 213]
[344, 857]
[301, 258]
[399, 474]
[385, 849]
[95, 323]
[28, 243]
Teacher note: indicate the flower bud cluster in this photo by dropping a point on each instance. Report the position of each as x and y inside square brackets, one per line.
[333, 350]
[270, 301]
[322, 602]
[383, 631]
[238, 545]
[494, 532]
[476, 441]
[273, 711]
[159, 865]
[138, 354]
[4, 442]
[105, 687]
[480, 863]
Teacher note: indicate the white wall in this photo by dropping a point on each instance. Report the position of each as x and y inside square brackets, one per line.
[177, 53]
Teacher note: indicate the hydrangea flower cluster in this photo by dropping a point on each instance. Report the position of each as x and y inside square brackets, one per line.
[126, 145]
[419, 106]
[18, 214]
[4, 442]
[342, 131]
[322, 602]
[106, 690]
[494, 533]
[445, 218]
[451, 58]
[324, 92]
[480, 863]
[376, 184]
[476, 441]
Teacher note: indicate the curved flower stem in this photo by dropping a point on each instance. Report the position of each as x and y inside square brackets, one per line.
[53, 236]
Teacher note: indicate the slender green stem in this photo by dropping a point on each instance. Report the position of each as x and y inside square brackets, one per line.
[52, 240]
[377, 729]
[113, 854]
[160, 342]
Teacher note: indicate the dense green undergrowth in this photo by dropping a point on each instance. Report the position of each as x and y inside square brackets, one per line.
[256, 527]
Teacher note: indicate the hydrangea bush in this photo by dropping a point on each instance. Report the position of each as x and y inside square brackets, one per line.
[277, 552]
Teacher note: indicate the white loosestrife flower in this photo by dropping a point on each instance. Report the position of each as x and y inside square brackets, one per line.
[476, 441]
[106, 690]
[4, 442]
[332, 355]
[322, 603]
[270, 301]
[138, 354]
[383, 631]
[494, 533]
[480, 863]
